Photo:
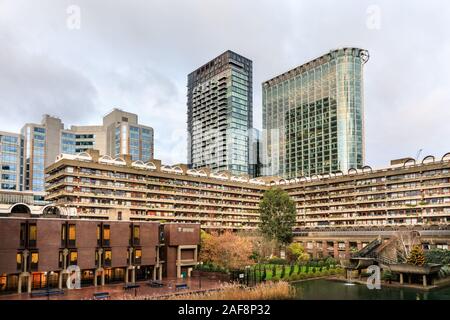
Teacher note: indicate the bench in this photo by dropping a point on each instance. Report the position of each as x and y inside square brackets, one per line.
[45, 293]
[155, 284]
[180, 286]
[130, 286]
[101, 295]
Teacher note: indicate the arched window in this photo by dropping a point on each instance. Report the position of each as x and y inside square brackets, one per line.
[20, 208]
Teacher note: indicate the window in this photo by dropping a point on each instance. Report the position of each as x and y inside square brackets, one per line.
[19, 261]
[23, 233]
[61, 260]
[32, 235]
[99, 240]
[137, 256]
[63, 235]
[108, 258]
[106, 235]
[136, 234]
[73, 257]
[72, 234]
[34, 261]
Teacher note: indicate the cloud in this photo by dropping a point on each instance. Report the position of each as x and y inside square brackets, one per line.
[33, 84]
[136, 54]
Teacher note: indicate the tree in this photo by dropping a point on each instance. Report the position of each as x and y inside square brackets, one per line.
[406, 241]
[228, 250]
[296, 253]
[277, 214]
[263, 247]
[416, 256]
[439, 256]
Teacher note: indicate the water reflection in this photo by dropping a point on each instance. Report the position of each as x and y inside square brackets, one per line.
[335, 290]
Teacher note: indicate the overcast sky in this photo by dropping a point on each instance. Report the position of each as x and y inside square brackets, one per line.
[136, 55]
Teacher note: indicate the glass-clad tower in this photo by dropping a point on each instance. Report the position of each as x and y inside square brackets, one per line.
[219, 101]
[313, 116]
[11, 161]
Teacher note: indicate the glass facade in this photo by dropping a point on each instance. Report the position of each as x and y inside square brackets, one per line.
[134, 140]
[10, 161]
[313, 116]
[84, 142]
[37, 157]
[220, 114]
[68, 143]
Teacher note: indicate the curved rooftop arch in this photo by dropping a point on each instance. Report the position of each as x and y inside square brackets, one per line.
[409, 162]
[367, 169]
[429, 158]
[20, 208]
[150, 165]
[177, 169]
[51, 209]
[446, 157]
[352, 171]
[84, 155]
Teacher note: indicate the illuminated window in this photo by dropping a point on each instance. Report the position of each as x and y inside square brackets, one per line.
[106, 233]
[63, 233]
[72, 232]
[138, 255]
[19, 261]
[34, 261]
[33, 232]
[98, 235]
[61, 260]
[136, 232]
[108, 257]
[32, 235]
[34, 257]
[73, 257]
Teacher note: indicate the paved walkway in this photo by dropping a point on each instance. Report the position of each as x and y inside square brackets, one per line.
[117, 292]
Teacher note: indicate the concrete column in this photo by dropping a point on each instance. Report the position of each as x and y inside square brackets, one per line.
[19, 285]
[103, 278]
[60, 278]
[347, 249]
[154, 273]
[424, 277]
[336, 250]
[409, 278]
[95, 278]
[401, 278]
[29, 283]
[133, 275]
[324, 249]
[314, 254]
[126, 276]
[160, 272]
[178, 262]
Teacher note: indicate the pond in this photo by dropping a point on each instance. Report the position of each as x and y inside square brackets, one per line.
[335, 290]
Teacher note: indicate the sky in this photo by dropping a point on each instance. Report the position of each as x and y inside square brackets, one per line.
[79, 59]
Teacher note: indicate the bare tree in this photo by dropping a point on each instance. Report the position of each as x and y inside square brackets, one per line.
[406, 240]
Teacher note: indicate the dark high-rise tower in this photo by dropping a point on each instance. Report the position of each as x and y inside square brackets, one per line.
[220, 114]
